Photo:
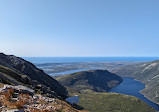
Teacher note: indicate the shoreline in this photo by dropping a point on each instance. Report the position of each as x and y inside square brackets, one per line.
[141, 91]
[148, 97]
[143, 97]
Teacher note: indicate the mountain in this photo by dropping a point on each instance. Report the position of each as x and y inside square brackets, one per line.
[24, 86]
[113, 102]
[148, 73]
[93, 80]
[17, 71]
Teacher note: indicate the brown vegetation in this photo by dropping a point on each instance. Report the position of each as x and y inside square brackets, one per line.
[11, 104]
[37, 110]
[14, 99]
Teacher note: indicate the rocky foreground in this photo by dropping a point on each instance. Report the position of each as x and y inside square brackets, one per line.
[23, 99]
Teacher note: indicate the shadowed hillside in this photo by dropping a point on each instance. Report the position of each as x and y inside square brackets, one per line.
[17, 71]
[93, 80]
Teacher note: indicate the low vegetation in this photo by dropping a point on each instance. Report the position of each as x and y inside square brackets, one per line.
[113, 102]
[6, 99]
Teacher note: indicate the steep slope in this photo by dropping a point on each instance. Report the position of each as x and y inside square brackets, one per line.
[113, 102]
[93, 80]
[148, 73]
[15, 71]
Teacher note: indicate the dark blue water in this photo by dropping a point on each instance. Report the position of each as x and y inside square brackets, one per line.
[132, 87]
[74, 99]
[86, 59]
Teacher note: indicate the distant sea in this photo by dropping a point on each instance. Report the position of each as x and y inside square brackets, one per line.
[39, 60]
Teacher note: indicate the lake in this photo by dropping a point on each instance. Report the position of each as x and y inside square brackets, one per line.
[68, 72]
[130, 86]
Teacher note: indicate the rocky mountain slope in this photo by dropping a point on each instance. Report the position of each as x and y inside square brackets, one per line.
[148, 73]
[17, 71]
[93, 80]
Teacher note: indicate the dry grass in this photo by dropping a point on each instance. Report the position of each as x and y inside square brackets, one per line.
[24, 96]
[14, 105]
[23, 99]
[1, 85]
[7, 101]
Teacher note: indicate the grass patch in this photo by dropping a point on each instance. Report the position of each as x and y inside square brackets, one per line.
[113, 102]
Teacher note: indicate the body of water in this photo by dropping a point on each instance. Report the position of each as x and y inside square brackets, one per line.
[39, 60]
[129, 86]
[132, 87]
[68, 72]
[74, 99]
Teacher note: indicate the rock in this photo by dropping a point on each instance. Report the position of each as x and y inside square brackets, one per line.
[21, 88]
[14, 110]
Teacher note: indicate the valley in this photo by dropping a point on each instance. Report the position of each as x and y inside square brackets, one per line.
[146, 73]
[69, 79]
[121, 68]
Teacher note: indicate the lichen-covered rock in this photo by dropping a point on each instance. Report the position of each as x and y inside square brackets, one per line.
[14, 110]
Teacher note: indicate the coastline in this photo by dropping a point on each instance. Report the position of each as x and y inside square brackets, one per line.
[139, 95]
[147, 96]
[141, 91]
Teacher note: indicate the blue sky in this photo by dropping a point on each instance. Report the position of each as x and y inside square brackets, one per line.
[79, 27]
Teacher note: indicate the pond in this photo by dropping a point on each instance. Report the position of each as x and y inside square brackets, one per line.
[74, 99]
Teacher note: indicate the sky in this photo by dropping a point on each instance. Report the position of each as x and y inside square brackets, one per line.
[79, 28]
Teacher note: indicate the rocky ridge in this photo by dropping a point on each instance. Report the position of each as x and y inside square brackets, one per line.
[17, 71]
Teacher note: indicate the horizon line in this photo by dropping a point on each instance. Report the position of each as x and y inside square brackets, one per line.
[87, 56]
